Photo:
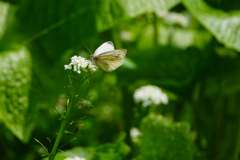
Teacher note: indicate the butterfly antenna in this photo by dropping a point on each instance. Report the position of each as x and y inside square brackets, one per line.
[87, 49]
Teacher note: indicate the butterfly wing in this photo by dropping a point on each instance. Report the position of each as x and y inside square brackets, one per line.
[111, 60]
[105, 47]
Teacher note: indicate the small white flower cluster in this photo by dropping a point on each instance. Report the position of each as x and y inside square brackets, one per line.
[135, 133]
[78, 63]
[75, 158]
[174, 18]
[150, 95]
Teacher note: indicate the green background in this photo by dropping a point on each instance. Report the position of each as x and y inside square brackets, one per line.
[188, 48]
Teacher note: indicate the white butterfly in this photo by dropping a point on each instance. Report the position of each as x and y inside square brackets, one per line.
[107, 58]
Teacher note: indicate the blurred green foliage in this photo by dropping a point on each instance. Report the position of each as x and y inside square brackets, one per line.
[189, 48]
[103, 152]
[163, 139]
[16, 77]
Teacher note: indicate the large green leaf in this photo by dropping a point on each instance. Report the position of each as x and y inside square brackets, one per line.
[165, 140]
[224, 26]
[110, 13]
[137, 7]
[15, 82]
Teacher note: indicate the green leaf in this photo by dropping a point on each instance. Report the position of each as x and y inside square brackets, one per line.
[109, 150]
[110, 13]
[162, 139]
[224, 26]
[62, 116]
[42, 145]
[45, 154]
[87, 153]
[15, 83]
[66, 131]
[137, 7]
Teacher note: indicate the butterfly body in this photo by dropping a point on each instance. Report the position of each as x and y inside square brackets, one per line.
[107, 58]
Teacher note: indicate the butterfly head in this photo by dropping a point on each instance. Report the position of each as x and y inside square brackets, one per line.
[93, 58]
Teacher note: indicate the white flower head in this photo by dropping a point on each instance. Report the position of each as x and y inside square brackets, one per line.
[79, 64]
[75, 158]
[174, 18]
[149, 95]
[135, 133]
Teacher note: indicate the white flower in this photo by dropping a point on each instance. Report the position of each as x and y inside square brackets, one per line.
[68, 67]
[174, 18]
[78, 63]
[149, 95]
[75, 158]
[135, 134]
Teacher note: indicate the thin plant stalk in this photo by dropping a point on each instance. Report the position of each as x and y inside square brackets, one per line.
[77, 80]
[60, 133]
[59, 136]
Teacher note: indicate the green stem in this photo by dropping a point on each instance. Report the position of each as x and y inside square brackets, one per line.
[72, 101]
[60, 133]
[59, 136]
